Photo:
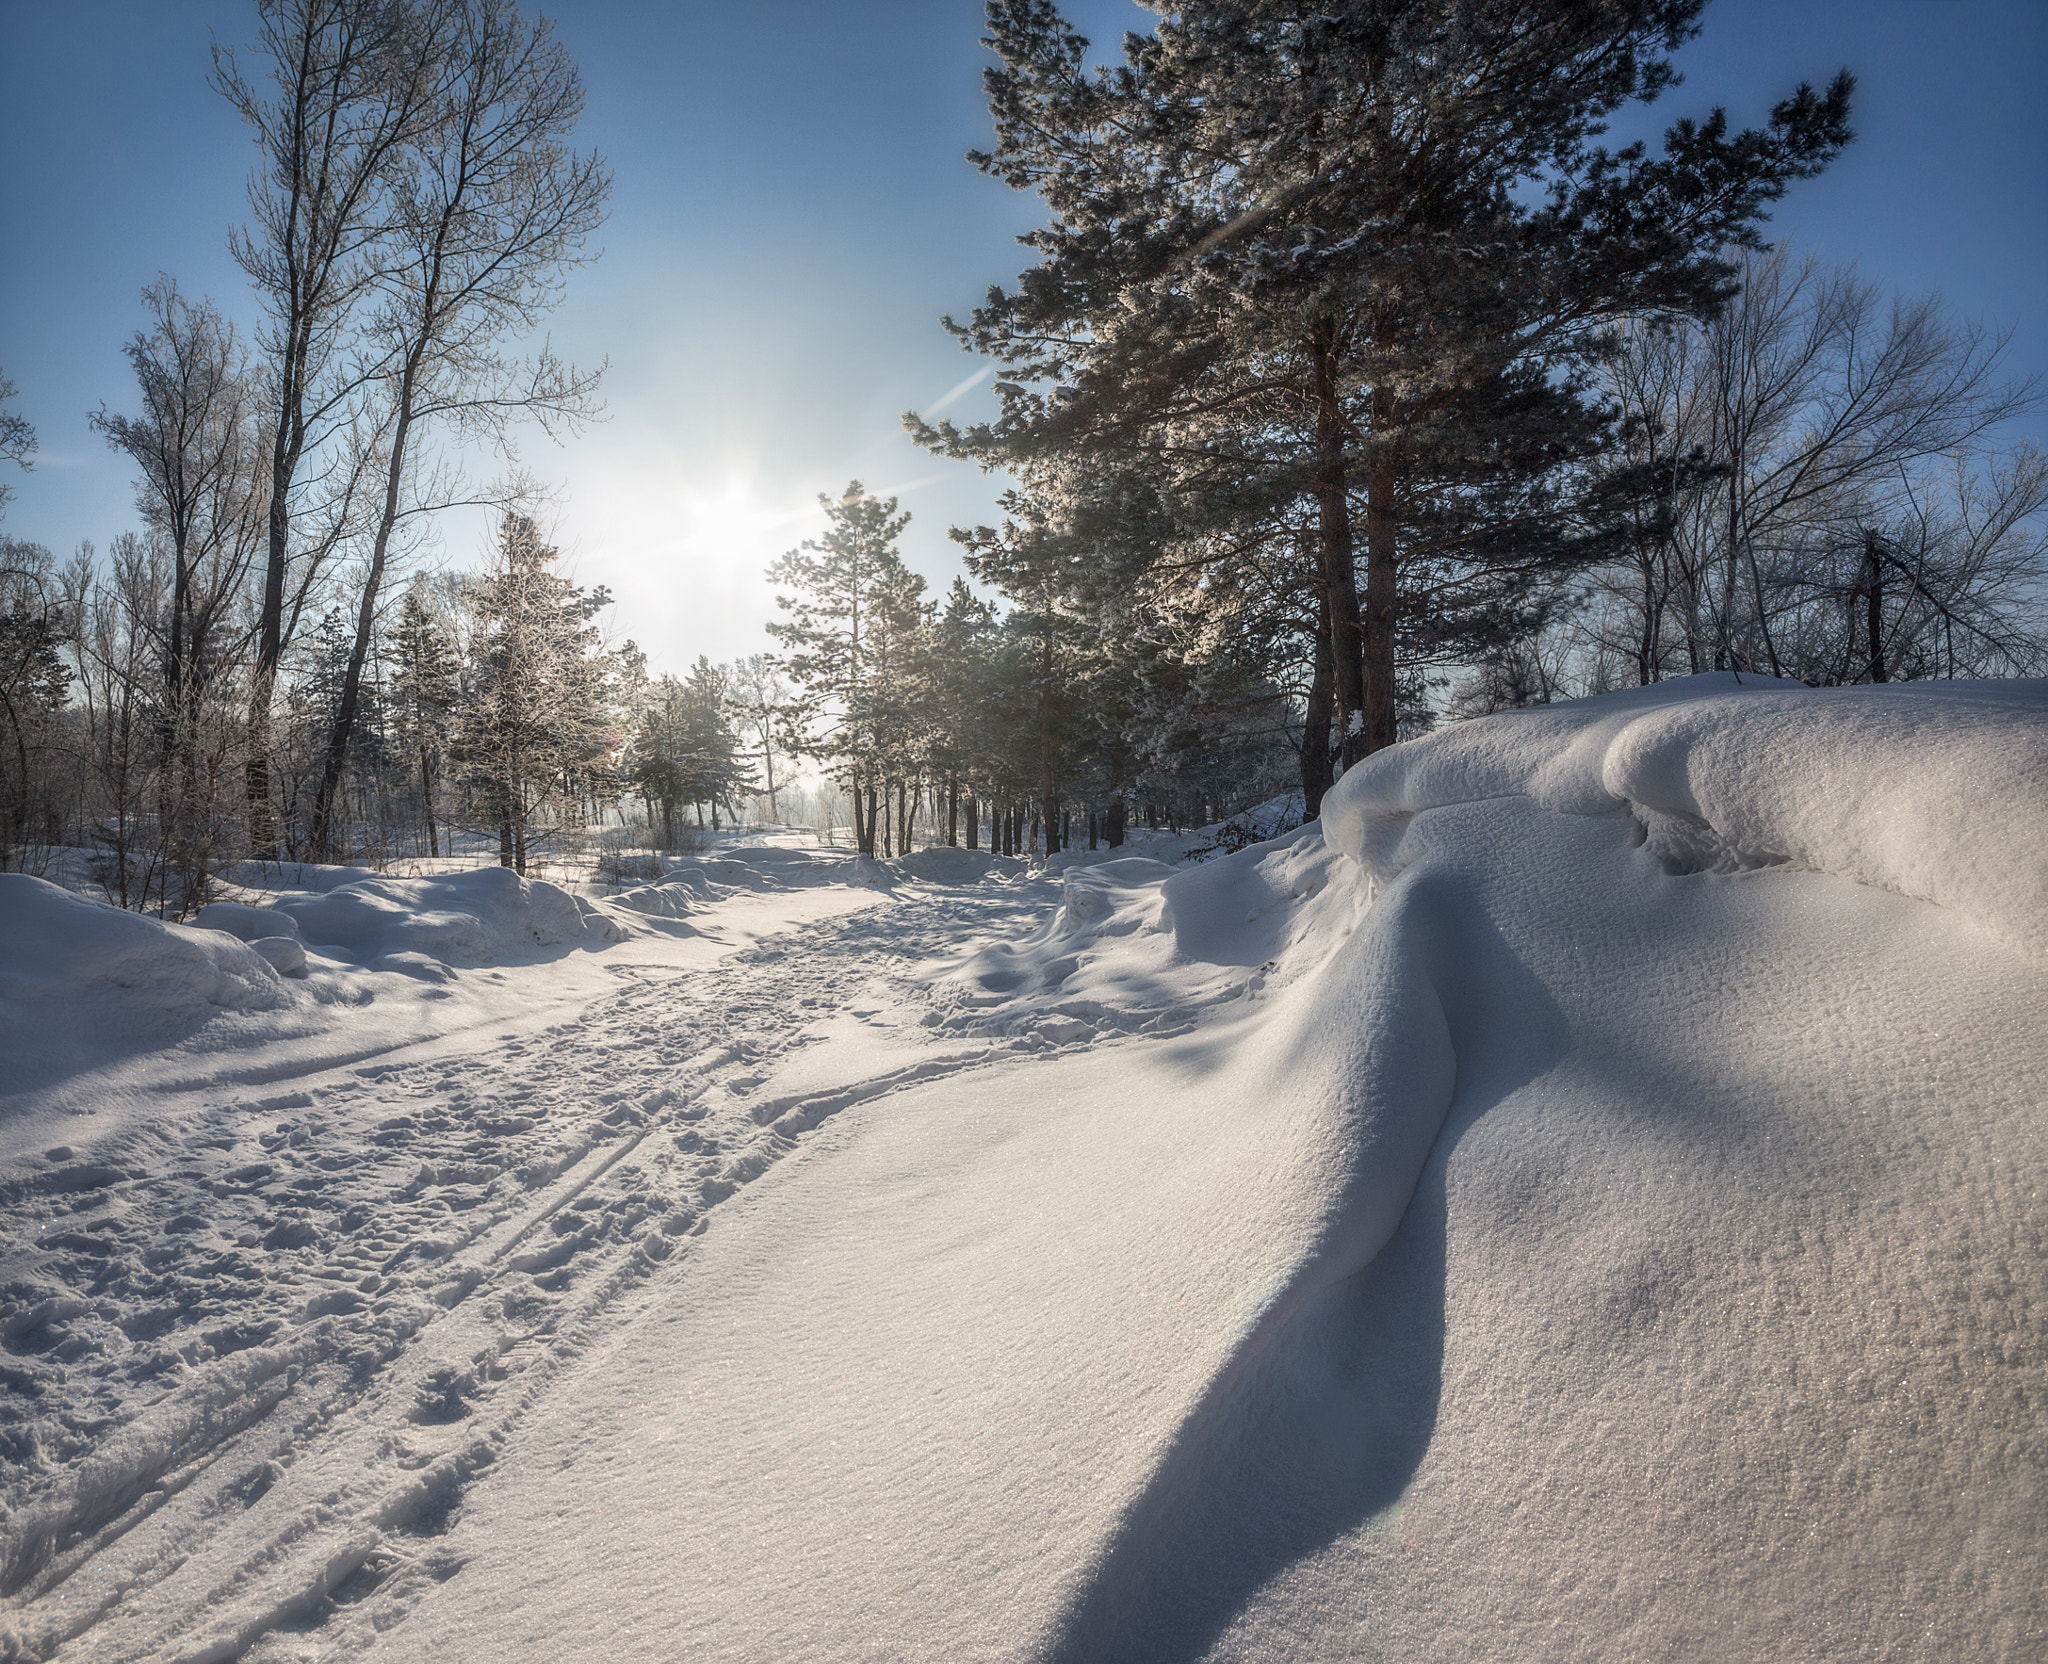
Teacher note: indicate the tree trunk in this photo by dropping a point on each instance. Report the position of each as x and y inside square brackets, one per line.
[1381, 553]
[1873, 604]
[427, 802]
[1333, 531]
[1047, 745]
[1315, 727]
[343, 729]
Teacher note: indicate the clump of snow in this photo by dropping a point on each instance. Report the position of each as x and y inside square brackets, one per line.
[80, 979]
[1141, 945]
[297, 875]
[672, 898]
[948, 864]
[271, 933]
[248, 924]
[762, 867]
[476, 918]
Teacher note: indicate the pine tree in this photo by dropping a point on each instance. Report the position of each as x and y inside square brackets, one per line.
[425, 687]
[1352, 260]
[759, 699]
[536, 732]
[684, 751]
[835, 588]
[962, 645]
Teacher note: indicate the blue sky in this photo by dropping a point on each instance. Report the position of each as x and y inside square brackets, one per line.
[793, 211]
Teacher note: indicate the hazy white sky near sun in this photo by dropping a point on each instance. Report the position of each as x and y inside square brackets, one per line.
[792, 213]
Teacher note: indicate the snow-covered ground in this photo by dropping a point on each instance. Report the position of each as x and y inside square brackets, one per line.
[1582, 1200]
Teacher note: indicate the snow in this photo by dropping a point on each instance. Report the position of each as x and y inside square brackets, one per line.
[1582, 1200]
[1932, 790]
[80, 981]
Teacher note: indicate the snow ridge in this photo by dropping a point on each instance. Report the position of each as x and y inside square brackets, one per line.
[1932, 790]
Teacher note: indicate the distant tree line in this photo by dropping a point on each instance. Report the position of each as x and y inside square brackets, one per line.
[1010, 726]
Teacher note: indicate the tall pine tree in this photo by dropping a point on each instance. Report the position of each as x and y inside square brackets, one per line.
[1354, 259]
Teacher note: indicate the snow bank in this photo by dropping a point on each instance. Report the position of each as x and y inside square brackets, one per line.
[672, 898]
[84, 985]
[764, 867]
[80, 980]
[1934, 790]
[476, 918]
[1622, 1239]
[949, 864]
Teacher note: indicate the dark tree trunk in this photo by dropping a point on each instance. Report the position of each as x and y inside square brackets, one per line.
[1381, 549]
[427, 801]
[342, 732]
[1333, 531]
[1315, 727]
[1873, 605]
[287, 444]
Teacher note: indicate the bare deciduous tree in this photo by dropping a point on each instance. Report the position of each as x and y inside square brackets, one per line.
[352, 83]
[1810, 423]
[200, 450]
[489, 209]
[17, 440]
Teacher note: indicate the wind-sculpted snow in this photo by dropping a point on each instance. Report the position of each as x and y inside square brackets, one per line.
[1602, 1246]
[84, 984]
[479, 917]
[80, 981]
[1581, 1202]
[1935, 790]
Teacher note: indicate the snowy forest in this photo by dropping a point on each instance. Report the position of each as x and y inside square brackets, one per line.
[1271, 508]
[860, 832]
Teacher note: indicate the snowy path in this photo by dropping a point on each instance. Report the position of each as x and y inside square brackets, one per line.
[1579, 1201]
[313, 1312]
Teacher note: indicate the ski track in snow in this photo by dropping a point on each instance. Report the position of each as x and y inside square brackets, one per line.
[255, 1351]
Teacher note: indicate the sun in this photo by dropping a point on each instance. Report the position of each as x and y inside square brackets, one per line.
[727, 518]
[731, 520]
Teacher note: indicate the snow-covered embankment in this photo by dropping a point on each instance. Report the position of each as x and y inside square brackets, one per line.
[1624, 1238]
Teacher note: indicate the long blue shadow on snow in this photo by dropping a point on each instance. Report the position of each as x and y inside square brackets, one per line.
[1323, 1421]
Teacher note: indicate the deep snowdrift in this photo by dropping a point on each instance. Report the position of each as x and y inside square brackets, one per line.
[1622, 1239]
[84, 985]
[81, 982]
